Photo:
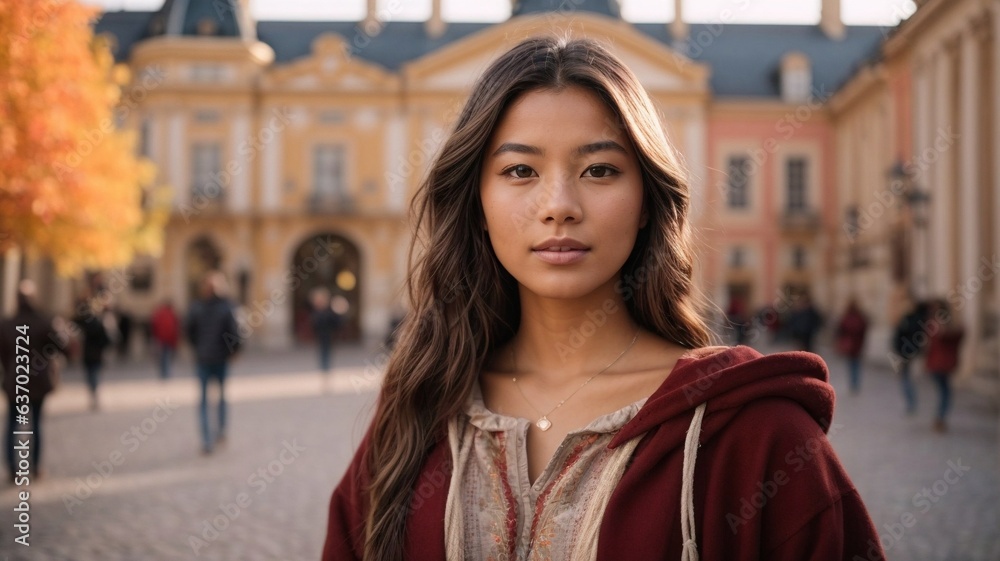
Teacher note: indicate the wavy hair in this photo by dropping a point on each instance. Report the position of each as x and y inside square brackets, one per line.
[464, 304]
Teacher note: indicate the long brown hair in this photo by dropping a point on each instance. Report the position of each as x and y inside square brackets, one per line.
[465, 304]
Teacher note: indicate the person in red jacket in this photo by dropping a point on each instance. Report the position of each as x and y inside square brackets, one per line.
[166, 328]
[943, 347]
[851, 340]
[553, 392]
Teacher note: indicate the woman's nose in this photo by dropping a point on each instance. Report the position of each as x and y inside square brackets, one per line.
[560, 202]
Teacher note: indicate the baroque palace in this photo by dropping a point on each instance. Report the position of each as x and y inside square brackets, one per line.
[841, 161]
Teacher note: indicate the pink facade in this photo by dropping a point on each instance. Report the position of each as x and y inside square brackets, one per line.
[769, 135]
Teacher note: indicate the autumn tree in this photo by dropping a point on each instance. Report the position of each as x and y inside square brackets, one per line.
[72, 186]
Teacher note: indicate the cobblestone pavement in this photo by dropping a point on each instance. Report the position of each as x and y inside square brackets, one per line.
[129, 482]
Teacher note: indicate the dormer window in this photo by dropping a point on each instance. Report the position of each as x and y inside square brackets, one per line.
[203, 18]
[796, 78]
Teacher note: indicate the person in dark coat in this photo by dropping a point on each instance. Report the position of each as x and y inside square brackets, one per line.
[804, 322]
[851, 340]
[908, 340]
[325, 321]
[213, 332]
[98, 330]
[124, 320]
[35, 333]
[943, 348]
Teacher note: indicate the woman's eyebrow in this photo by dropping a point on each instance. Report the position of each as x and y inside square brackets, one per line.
[584, 150]
[518, 148]
[601, 146]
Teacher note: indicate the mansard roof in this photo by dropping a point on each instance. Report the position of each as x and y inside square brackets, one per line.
[745, 59]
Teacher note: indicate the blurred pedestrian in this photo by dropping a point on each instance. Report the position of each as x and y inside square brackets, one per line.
[945, 340]
[123, 343]
[738, 318]
[395, 323]
[804, 322]
[99, 331]
[165, 331]
[212, 330]
[325, 321]
[768, 318]
[908, 340]
[36, 334]
[851, 332]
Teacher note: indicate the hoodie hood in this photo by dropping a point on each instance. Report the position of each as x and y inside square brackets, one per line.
[726, 378]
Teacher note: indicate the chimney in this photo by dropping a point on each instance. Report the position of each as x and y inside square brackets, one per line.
[829, 20]
[435, 26]
[371, 25]
[679, 28]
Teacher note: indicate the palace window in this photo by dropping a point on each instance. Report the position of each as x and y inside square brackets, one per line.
[206, 171]
[852, 222]
[799, 258]
[329, 172]
[738, 182]
[737, 257]
[796, 181]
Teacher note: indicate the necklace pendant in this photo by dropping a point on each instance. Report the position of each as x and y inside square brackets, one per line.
[543, 424]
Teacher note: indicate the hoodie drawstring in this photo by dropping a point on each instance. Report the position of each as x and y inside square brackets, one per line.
[690, 551]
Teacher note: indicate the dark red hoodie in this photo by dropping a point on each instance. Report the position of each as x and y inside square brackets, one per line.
[767, 484]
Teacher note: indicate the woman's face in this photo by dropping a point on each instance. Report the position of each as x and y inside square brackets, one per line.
[562, 193]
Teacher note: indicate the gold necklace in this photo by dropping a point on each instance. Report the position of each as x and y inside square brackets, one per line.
[544, 423]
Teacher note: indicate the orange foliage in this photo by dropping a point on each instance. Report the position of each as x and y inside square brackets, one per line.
[71, 185]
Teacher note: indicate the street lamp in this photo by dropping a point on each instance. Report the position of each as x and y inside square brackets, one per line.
[903, 183]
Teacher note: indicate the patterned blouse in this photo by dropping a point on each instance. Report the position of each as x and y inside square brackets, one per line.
[503, 516]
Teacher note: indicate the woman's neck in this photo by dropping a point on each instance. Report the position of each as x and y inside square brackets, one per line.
[562, 339]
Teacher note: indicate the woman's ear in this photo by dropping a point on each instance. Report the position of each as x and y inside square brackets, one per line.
[643, 219]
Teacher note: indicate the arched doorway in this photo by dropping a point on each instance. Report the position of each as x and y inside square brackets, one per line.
[202, 257]
[331, 261]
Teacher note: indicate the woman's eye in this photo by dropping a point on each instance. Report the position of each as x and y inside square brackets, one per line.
[519, 171]
[601, 171]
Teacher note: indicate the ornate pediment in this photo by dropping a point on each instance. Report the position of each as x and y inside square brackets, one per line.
[330, 66]
[659, 68]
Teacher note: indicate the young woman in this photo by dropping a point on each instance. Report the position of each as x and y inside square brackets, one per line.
[552, 394]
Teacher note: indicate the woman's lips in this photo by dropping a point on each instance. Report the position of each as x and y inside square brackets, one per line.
[561, 257]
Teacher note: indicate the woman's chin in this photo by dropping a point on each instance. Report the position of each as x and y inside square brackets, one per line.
[562, 291]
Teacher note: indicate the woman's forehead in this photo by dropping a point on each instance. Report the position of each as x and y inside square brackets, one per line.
[560, 116]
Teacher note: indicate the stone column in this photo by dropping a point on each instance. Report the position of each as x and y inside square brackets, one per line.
[922, 146]
[969, 245]
[178, 148]
[237, 166]
[941, 181]
[270, 165]
[995, 156]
